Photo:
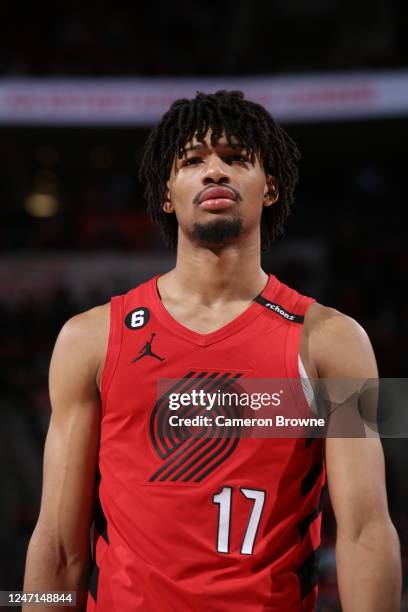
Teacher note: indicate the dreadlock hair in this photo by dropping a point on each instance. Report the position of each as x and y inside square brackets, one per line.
[228, 113]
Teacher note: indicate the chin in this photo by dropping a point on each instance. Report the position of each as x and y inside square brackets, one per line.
[217, 232]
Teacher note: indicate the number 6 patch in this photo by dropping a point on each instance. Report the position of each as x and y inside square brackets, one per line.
[137, 318]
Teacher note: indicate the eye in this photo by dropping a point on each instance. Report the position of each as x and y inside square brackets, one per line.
[238, 158]
[191, 161]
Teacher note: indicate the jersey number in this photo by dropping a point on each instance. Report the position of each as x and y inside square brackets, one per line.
[138, 318]
[223, 499]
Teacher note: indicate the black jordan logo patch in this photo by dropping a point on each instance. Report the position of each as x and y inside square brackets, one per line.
[146, 351]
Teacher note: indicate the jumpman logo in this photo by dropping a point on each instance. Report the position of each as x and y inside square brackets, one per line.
[146, 350]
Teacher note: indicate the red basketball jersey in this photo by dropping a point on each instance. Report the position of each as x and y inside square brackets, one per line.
[189, 523]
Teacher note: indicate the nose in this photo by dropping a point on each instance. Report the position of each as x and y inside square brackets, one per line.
[215, 170]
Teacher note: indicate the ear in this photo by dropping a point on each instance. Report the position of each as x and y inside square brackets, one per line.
[167, 204]
[271, 193]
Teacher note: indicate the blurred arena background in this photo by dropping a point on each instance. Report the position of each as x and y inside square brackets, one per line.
[79, 88]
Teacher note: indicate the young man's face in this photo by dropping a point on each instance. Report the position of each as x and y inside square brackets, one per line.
[217, 192]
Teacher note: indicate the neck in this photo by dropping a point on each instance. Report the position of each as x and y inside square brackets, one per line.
[216, 275]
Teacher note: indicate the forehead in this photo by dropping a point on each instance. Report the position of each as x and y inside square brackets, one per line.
[205, 142]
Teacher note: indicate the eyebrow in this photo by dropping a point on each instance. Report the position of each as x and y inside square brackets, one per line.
[200, 146]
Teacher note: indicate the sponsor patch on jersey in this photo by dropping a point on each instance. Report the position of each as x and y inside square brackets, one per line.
[289, 316]
[137, 318]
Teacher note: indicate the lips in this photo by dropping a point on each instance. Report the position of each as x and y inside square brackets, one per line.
[217, 193]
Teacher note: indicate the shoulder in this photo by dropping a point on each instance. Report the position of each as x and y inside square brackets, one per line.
[84, 338]
[338, 345]
[88, 326]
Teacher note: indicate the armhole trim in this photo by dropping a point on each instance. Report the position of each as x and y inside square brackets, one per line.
[113, 348]
[293, 341]
[294, 366]
[307, 386]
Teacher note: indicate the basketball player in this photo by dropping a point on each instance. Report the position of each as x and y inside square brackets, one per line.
[187, 523]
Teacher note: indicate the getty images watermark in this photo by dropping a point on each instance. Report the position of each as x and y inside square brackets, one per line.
[37, 598]
[212, 404]
[220, 403]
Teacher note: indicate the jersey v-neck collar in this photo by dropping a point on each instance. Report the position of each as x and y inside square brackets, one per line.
[253, 310]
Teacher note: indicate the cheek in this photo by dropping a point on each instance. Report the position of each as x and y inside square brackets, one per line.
[182, 190]
[255, 193]
[255, 183]
[182, 195]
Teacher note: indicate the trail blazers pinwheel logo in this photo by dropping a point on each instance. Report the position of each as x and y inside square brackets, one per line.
[188, 456]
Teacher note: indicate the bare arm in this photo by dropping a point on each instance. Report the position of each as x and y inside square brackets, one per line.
[59, 550]
[367, 547]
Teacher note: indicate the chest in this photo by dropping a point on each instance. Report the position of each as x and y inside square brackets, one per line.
[150, 358]
[205, 319]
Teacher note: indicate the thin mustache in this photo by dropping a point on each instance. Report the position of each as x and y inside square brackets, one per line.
[234, 191]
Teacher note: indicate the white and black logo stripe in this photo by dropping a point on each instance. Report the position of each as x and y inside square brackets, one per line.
[289, 316]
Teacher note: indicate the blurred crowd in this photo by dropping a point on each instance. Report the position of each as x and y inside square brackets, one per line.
[178, 37]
